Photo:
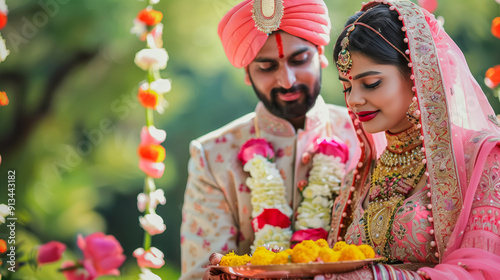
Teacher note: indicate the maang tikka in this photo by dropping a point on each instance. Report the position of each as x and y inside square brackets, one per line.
[344, 61]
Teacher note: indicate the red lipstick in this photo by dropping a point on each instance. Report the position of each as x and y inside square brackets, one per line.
[365, 116]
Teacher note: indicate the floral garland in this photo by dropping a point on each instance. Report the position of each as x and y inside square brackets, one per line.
[153, 58]
[325, 178]
[271, 214]
[4, 52]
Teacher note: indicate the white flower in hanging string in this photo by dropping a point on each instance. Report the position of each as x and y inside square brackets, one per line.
[4, 52]
[155, 59]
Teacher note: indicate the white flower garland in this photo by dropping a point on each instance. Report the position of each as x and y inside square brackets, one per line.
[268, 191]
[324, 181]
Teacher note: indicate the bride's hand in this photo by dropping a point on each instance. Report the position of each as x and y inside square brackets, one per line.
[360, 274]
[214, 259]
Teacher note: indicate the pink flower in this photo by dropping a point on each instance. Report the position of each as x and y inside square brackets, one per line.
[151, 168]
[429, 5]
[102, 254]
[152, 258]
[271, 216]
[74, 271]
[308, 234]
[334, 147]
[152, 135]
[152, 223]
[50, 252]
[256, 146]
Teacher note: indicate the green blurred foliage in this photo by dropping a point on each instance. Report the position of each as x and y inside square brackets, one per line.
[72, 127]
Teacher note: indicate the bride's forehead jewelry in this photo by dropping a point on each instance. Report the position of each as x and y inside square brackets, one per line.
[344, 61]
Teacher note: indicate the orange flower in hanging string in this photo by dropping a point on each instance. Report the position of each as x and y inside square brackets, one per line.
[151, 95]
[148, 21]
[492, 79]
[3, 14]
[495, 27]
[4, 100]
[149, 16]
[3, 20]
[152, 152]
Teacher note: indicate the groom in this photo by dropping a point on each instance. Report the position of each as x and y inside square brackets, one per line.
[279, 45]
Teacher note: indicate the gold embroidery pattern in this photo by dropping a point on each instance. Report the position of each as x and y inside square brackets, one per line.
[446, 191]
[267, 14]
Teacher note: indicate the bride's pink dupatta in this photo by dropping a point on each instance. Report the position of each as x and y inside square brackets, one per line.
[460, 129]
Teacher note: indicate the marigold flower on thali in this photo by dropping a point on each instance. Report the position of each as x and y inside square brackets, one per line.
[262, 256]
[339, 246]
[231, 259]
[4, 100]
[153, 152]
[226, 259]
[351, 253]
[150, 16]
[240, 260]
[322, 243]
[282, 257]
[367, 251]
[326, 254]
[304, 252]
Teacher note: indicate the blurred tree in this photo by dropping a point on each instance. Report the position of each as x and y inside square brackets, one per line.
[72, 128]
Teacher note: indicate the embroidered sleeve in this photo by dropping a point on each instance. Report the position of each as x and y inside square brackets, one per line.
[207, 223]
[483, 228]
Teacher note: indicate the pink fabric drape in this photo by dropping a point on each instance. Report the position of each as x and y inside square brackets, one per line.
[459, 128]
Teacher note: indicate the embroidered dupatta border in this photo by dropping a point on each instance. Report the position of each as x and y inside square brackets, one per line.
[446, 194]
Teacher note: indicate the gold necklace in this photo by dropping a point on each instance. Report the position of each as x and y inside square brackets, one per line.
[398, 171]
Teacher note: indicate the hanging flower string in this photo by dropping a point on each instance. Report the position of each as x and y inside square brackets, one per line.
[492, 75]
[4, 100]
[152, 59]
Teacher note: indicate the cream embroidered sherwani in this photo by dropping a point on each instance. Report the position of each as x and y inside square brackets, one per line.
[217, 210]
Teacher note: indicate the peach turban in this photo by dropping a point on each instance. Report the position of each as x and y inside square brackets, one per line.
[242, 39]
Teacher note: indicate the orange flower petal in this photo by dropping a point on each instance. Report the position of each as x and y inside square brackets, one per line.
[152, 152]
[3, 246]
[495, 27]
[3, 20]
[148, 98]
[4, 100]
[150, 17]
[492, 79]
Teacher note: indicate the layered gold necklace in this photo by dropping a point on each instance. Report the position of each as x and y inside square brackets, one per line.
[398, 171]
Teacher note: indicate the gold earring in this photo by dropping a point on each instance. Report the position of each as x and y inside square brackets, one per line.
[413, 114]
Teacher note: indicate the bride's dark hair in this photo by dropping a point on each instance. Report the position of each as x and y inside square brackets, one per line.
[365, 41]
